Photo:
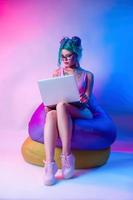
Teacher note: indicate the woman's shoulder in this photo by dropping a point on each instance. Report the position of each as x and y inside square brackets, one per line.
[57, 69]
[56, 72]
[88, 73]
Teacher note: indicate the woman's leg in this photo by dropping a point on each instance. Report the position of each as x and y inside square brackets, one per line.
[64, 122]
[50, 136]
[65, 112]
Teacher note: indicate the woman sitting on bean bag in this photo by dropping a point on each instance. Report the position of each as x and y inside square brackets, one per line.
[71, 126]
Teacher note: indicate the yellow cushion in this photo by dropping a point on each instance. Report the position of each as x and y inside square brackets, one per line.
[33, 152]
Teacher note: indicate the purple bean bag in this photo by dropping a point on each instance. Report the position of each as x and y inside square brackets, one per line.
[92, 134]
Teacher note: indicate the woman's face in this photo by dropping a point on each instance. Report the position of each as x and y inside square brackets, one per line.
[69, 59]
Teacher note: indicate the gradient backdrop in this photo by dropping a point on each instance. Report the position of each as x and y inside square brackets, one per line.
[30, 31]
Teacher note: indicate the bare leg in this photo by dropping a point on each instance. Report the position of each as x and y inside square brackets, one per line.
[64, 122]
[64, 113]
[50, 135]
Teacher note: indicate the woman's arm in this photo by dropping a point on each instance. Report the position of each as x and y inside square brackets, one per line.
[56, 72]
[90, 82]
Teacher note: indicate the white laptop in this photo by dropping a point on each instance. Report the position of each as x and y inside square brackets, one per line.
[62, 88]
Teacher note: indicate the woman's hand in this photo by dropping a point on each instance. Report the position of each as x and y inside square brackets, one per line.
[83, 98]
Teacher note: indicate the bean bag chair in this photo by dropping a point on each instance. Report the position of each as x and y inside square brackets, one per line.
[91, 139]
[33, 152]
[93, 134]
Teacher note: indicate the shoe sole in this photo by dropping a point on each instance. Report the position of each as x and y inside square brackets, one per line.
[49, 183]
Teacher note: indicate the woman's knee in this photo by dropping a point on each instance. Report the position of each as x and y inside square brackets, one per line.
[51, 115]
[61, 106]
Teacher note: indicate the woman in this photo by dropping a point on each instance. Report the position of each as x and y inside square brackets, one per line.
[59, 118]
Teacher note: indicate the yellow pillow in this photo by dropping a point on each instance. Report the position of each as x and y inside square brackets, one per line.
[33, 152]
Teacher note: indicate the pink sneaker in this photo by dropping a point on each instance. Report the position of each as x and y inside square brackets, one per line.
[68, 166]
[50, 170]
